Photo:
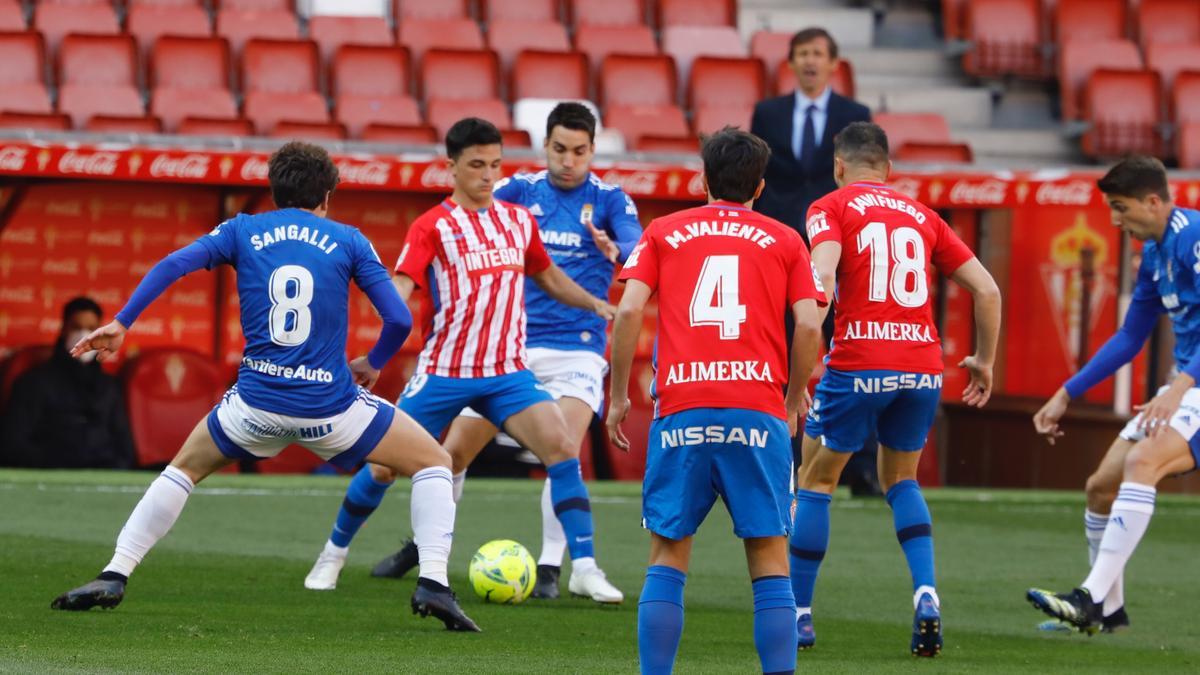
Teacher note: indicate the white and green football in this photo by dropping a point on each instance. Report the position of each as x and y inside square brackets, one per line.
[502, 572]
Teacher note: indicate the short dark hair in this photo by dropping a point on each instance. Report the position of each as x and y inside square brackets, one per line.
[734, 163]
[1136, 176]
[807, 35]
[301, 174]
[574, 116]
[80, 304]
[862, 143]
[471, 131]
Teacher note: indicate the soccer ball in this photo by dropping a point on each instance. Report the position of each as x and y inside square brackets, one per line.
[502, 572]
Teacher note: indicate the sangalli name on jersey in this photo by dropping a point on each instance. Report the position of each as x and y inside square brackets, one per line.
[888, 330]
[719, 371]
[293, 233]
[724, 228]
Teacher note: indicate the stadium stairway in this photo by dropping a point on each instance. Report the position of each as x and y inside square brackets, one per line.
[903, 64]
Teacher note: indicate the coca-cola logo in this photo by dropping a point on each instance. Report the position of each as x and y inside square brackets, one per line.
[25, 235]
[910, 187]
[113, 238]
[88, 163]
[437, 175]
[154, 210]
[364, 173]
[1074, 193]
[189, 166]
[67, 266]
[190, 298]
[107, 296]
[13, 158]
[634, 182]
[17, 294]
[989, 192]
[254, 169]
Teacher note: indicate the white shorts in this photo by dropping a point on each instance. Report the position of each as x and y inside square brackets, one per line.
[1186, 420]
[344, 440]
[565, 373]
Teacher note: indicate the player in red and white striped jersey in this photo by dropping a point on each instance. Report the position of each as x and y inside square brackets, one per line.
[472, 254]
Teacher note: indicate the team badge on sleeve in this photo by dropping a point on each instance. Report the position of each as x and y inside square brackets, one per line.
[816, 224]
[585, 215]
[632, 261]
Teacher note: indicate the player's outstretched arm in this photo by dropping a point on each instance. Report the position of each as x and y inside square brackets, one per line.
[972, 276]
[563, 288]
[107, 339]
[397, 323]
[806, 347]
[626, 328]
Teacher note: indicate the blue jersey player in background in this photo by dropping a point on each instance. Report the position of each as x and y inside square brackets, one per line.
[1161, 440]
[587, 226]
[294, 269]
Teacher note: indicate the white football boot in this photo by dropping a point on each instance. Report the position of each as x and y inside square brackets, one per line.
[325, 571]
[591, 583]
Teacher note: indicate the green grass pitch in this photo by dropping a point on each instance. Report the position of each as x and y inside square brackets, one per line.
[223, 592]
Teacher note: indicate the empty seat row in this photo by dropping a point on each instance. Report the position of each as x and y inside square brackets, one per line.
[1128, 111]
[577, 12]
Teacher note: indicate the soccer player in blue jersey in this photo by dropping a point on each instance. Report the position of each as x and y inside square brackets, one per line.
[294, 268]
[1161, 440]
[587, 225]
[475, 353]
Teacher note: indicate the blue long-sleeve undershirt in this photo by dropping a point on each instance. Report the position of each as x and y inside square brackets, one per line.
[194, 256]
[1120, 348]
[628, 234]
[397, 322]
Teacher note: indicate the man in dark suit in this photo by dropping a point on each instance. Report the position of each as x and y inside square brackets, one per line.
[799, 127]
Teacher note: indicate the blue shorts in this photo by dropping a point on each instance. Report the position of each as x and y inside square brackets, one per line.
[848, 404]
[744, 456]
[434, 401]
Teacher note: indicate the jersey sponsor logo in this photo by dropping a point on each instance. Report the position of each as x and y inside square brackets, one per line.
[816, 224]
[300, 372]
[292, 233]
[719, 371]
[817, 278]
[266, 431]
[554, 238]
[1170, 301]
[536, 210]
[868, 200]
[890, 383]
[888, 330]
[312, 433]
[494, 260]
[630, 207]
[723, 228]
[715, 433]
[636, 253]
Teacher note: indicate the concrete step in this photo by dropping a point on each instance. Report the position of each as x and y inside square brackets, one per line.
[912, 62]
[907, 27]
[1020, 147]
[851, 27]
[882, 81]
[961, 106]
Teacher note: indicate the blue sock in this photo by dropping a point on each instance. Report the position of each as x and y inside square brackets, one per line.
[810, 538]
[572, 506]
[362, 497]
[775, 624]
[660, 619]
[914, 529]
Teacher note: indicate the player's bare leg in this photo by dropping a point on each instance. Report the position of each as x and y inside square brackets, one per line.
[542, 429]
[151, 519]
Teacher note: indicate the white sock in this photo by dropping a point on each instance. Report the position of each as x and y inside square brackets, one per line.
[1094, 524]
[458, 479]
[335, 550]
[151, 519]
[554, 540]
[1127, 523]
[433, 510]
[937, 602]
[801, 611]
[583, 565]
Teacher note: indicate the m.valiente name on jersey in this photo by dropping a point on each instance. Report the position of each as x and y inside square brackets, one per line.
[722, 228]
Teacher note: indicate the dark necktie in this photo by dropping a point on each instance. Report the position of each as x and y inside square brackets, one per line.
[808, 140]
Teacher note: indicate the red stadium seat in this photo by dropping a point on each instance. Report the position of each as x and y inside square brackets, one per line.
[842, 81]
[515, 138]
[686, 43]
[331, 32]
[682, 144]
[600, 41]
[635, 121]
[189, 77]
[407, 10]
[1188, 146]
[443, 113]
[12, 17]
[722, 81]
[210, 126]
[561, 75]
[17, 364]
[149, 22]
[238, 26]
[23, 77]
[903, 128]
[531, 11]
[37, 121]
[125, 125]
[408, 135]
[1169, 59]
[326, 131]
[449, 74]
[257, 5]
[1168, 22]
[935, 153]
[371, 85]
[1005, 37]
[166, 392]
[637, 80]
[1092, 20]
[54, 21]
[1080, 58]
[697, 13]
[1185, 98]
[771, 47]
[421, 35]
[1124, 109]
[607, 12]
[709, 118]
[953, 13]
[97, 75]
[280, 79]
[507, 38]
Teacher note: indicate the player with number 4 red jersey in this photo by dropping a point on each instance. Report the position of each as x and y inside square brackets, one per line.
[872, 247]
